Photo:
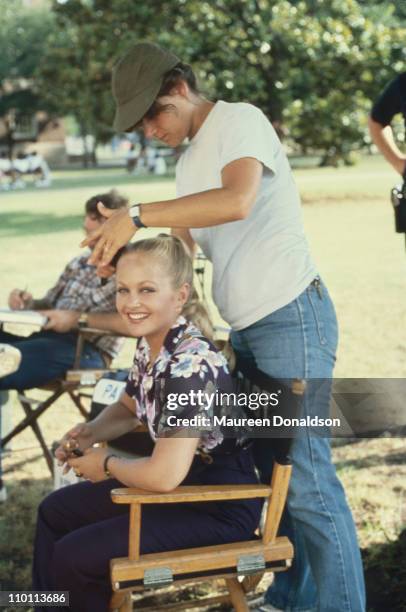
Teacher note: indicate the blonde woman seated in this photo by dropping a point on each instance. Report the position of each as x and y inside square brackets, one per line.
[79, 529]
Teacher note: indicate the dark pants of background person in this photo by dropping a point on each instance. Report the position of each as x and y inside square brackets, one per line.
[46, 355]
[79, 530]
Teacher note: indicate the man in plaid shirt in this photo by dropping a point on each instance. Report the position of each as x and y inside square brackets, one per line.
[78, 299]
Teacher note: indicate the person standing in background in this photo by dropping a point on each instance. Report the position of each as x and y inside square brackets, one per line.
[391, 102]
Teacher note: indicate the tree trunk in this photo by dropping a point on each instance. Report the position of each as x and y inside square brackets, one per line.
[85, 156]
[93, 153]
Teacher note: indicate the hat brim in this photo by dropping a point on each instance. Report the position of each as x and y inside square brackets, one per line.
[131, 112]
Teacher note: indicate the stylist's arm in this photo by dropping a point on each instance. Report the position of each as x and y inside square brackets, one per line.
[230, 202]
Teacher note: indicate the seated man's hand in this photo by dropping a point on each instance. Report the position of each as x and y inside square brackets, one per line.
[19, 299]
[79, 437]
[61, 321]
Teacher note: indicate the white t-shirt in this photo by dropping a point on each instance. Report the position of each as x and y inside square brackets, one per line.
[260, 263]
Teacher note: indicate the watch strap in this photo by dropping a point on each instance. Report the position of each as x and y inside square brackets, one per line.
[134, 213]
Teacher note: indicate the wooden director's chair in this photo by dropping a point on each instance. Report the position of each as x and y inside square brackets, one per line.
[240, 564]
[76, 383]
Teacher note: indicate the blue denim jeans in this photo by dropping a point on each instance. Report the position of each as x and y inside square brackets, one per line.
[300, 341]
[45, 355]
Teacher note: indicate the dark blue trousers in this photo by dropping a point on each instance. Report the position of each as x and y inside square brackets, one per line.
[79, 530]
[46, 355]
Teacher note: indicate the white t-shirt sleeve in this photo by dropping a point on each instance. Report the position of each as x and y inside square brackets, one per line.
[247, 133]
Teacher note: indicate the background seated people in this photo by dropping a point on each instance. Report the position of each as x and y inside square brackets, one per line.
[13, 173]
[20, 167]
[5, 172]
[156, 301]
[48, 353]
[38, 166]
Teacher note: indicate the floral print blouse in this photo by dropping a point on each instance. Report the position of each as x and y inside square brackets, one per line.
[187, 364]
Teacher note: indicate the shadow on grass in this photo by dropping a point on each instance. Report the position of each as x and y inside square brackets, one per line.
[23, 223]
[385, 570]
[94, 178]
[385, 575]
[372, 461]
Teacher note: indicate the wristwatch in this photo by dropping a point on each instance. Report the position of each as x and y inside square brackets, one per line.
[83, 320]
[134, 213]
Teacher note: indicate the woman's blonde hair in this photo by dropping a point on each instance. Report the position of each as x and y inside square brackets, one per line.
[175, 256]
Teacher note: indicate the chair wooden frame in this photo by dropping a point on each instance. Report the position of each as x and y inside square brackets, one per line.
[248, 560]
[74, 382]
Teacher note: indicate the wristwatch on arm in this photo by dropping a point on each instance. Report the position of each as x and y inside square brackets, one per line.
[135, 212]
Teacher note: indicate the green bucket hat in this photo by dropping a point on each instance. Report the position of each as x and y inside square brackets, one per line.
[136, 81]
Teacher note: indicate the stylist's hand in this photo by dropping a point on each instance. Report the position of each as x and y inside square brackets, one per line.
[90, 466]
[110, 237]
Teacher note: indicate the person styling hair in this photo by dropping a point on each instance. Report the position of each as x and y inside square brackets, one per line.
[237, 200]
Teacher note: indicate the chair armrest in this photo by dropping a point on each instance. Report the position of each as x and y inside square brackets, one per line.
[83, 334]
[190, 494]
[88, 376]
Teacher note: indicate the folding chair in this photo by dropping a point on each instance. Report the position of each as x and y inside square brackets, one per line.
[240, 564]
[74, 383]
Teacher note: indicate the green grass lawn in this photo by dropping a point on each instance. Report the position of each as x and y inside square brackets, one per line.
[349, 223]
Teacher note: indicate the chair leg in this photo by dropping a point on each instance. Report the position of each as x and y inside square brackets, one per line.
[237, 595]
[250, 583]
[76, 400]
[32, 416]
[38, 433]
[121, 602]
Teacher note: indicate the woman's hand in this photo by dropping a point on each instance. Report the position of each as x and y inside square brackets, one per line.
[110, 237]
[79, 437]
[90, 466]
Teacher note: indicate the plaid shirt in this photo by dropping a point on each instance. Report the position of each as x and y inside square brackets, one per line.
[79, 288]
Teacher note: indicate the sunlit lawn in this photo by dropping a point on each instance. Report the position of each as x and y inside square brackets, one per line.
[349, 223]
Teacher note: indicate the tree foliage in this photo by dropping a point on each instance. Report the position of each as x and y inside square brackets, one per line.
[313, 66]
[23, 35]
[88, 37]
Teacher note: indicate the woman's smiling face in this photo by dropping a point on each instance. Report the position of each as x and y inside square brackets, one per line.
[146, 299]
